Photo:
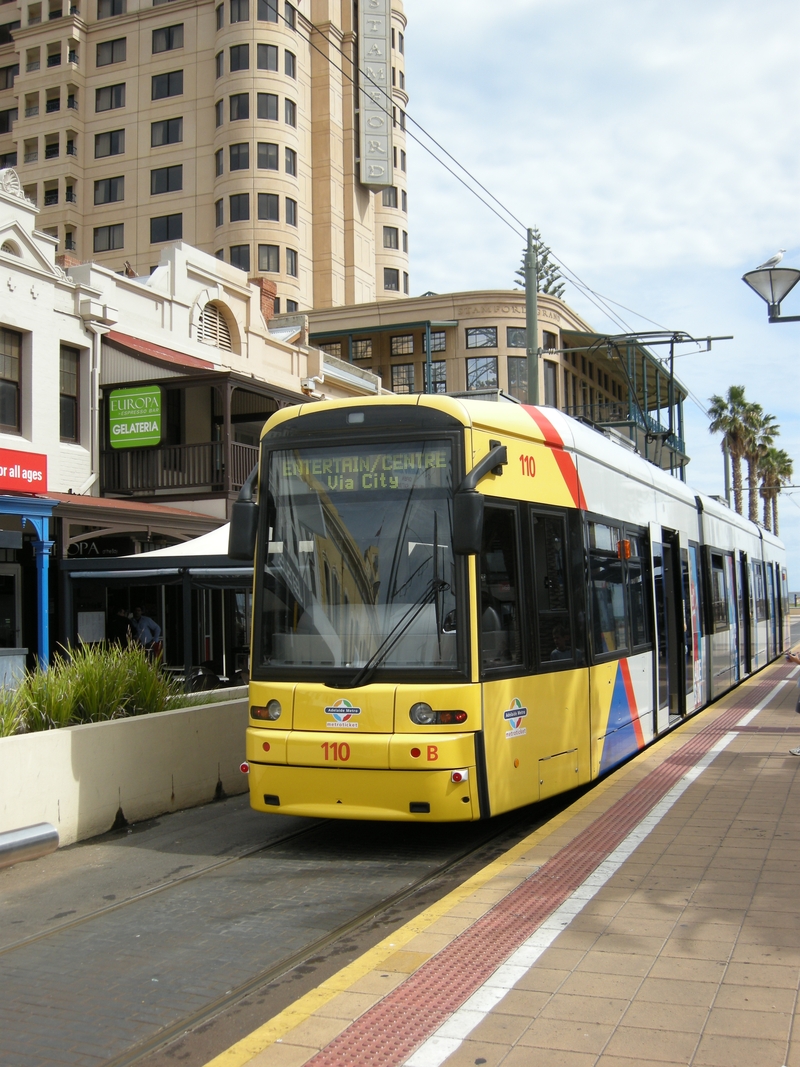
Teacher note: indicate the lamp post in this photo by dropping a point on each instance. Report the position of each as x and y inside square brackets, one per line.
[773, 284]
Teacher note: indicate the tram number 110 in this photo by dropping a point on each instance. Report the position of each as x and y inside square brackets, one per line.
[339, 751]
[528, 466]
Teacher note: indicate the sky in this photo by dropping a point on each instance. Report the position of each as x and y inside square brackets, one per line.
[656, 146]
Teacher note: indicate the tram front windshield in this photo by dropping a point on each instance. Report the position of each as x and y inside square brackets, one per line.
[359, 569]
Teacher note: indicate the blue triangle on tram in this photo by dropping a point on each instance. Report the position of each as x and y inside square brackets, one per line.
[620, 741]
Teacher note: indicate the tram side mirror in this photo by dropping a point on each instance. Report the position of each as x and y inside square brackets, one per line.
[244, 522]
[467, 522]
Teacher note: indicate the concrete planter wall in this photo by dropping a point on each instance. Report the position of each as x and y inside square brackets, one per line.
[79, 777]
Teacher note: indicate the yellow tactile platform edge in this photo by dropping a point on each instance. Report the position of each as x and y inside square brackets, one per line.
[276, 1028]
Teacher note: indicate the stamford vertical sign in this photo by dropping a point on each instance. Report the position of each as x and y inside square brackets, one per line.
[134, 417]
[375, 98]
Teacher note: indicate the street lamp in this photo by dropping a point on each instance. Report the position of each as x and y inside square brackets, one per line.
[773, 284]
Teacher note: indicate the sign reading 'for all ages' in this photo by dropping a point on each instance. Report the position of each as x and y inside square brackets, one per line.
[134, 417]
[24, 472]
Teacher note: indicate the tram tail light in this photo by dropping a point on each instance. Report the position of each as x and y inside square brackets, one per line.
[244, 768]
[424, 715]
[459, 776]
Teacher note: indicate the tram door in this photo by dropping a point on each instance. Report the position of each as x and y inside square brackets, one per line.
[743, 614]
[669, 625]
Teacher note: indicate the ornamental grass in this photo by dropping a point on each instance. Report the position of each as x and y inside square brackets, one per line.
[88, 684]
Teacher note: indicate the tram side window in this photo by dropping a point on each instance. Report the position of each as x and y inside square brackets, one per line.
[551, 589]
[719, 592]
[501, 638]
[607, 589]
[759, 589]
[637, 579]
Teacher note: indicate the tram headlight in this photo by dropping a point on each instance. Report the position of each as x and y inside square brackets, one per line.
[424, 715]
[272, 712]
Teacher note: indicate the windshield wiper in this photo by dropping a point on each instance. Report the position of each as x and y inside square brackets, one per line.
[435, 587]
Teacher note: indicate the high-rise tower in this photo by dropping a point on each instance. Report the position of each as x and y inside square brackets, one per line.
[232, 125]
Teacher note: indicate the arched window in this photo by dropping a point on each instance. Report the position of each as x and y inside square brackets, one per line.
[9, 248]
[213, 329]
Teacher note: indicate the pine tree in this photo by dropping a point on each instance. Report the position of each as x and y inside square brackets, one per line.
[548, 276]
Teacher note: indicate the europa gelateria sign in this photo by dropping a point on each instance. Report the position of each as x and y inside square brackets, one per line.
[134, 417]
[23, 472]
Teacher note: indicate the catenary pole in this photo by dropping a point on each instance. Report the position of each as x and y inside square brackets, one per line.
[531, 320]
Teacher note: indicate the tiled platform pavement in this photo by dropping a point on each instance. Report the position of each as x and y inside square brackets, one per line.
[688, 953]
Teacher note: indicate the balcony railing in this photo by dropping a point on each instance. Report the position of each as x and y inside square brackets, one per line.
[52, 105]
[200, 466]
[616, 414]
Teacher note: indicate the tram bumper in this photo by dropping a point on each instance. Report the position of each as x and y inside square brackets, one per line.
[381, 781]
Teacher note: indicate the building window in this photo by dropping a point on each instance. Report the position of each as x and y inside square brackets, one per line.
[291, 162]
[291, 212]
[405, 282]
[550, 382]
[403, 378]
[166, 131]
[106, 9]
[362, 348]
[239, 57]
[212, 329]
[239, 155]
[267, 57]
[482, 337]
[402, 345]
[267, 10]
[438, 341]
[219, 165]
[109, 97]
[332, 348]
[549, 341]
[267, 156]
[518, 377]
[291, 306]
[389, 196]
[391, 237]
[482, 372]
[166, 180]
[290, 16]
[69, 367]
[218, 213]
[220, 16]
[290, 64]
[108, 238]
[111, 52]
[239, 207]
[10, 360]
[109, 190]
[438, 376]
[290, 112]
[219, 117]
[516, 337]
[109, 144]
[219, 60]
[240, 257]
[240, 11]
[166, 228]
[164, 85]
[268, 207]
[391, 279]
[240, 106]
[291, 262]
[267, 106]
[269, 258]
[402, 160]
[405, 241]
[167, 39]
[404, 200]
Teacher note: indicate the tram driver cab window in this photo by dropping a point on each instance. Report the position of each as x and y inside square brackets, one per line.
[552, 595]
[501, 643]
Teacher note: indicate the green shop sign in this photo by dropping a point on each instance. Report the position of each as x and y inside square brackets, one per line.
[134, 417]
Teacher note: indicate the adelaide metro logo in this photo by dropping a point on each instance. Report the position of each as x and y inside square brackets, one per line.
[514, 716]
[342, 713]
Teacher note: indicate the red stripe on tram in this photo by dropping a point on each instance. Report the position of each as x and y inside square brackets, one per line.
[566, 463]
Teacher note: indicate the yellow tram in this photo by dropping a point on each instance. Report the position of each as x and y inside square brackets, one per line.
[462, 607]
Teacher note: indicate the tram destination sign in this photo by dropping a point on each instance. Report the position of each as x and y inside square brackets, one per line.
[392, 469]
[134, 417]
[375, 98]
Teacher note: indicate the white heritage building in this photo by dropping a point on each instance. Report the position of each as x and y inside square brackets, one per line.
[83, 352]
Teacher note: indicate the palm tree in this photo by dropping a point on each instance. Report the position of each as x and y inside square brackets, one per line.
[727, 416]
[776, 469]
[760, 433]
